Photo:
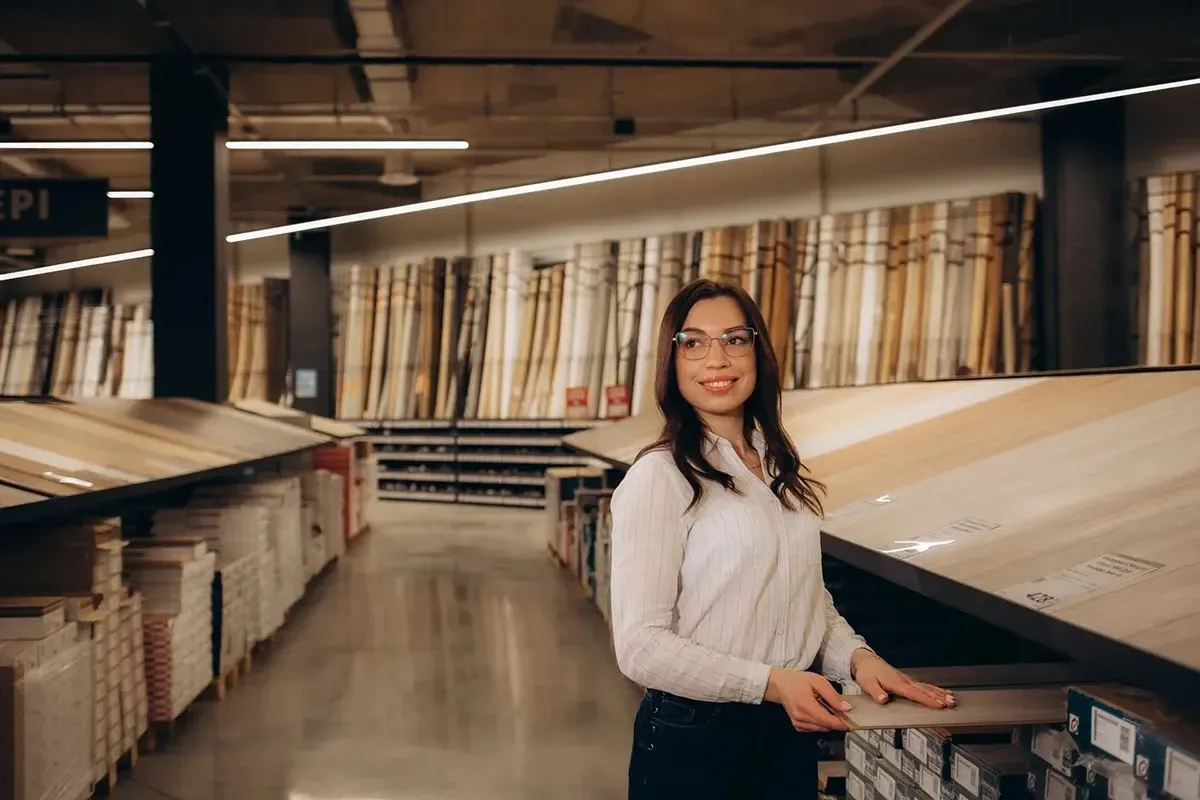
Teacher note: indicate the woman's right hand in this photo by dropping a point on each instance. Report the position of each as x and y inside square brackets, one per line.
[800, 694]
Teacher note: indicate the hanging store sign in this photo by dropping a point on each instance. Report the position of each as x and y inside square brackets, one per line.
[53, 208]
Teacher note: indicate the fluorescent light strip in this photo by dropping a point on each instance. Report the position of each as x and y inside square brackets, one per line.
[649, 169]
[350, 144]
[702, 161]
[116, 258]
[50, 146]
[140, 194]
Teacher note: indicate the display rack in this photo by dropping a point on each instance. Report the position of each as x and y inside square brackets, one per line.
[172, 538]
[488, 462]
[1009, 498]
[877, 296]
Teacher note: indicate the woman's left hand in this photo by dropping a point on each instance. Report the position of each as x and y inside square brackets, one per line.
[880, 680]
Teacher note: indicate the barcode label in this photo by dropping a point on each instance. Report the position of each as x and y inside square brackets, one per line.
[965, 774]
[855, 787]
[1181, 776]
[931, 783]
[916, 743]
[1113, 735]
[886, 785]
[1058, 787]
[856, 756]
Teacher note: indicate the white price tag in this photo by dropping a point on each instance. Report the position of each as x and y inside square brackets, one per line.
[886, 784]
[1058, 788]
[1080, 579]
[856, 756]
[1181, 776]
[965, 774]
[855, 787]
[1113, 735]
[916, 743]
[931, 783]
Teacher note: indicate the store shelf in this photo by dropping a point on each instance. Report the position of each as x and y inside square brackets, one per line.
[487, 462]
[967, 491]
[60, 459]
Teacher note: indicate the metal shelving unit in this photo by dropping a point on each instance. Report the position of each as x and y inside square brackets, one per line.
[485, 461]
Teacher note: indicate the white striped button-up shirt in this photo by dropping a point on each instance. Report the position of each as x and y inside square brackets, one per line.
[705, 602]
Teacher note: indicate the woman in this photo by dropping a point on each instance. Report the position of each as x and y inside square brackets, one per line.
[719, 608]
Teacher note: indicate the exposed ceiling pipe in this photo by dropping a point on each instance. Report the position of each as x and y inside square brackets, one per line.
[389, 83]
[884, 67]
[388, 57]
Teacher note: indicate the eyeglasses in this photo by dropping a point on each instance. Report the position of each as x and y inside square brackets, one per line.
[736, 342]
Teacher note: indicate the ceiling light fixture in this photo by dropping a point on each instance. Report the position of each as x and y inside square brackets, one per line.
[299, 145]
[116, 258]
[702, 161]
[363, 145]
[53, 146]
[139, 194]
[648, 169]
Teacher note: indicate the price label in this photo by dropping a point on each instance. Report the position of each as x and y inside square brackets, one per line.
[1081, 579]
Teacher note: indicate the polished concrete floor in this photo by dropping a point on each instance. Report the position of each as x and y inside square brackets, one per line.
[447, 657]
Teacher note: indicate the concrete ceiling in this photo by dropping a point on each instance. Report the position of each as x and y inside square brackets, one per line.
[500, 74]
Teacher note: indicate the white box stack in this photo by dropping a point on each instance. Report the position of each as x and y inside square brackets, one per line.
[177, 629]
[322, 492]
[281, 497]
[134, 707]
[50, 680]
[235, 531]
[237, 580]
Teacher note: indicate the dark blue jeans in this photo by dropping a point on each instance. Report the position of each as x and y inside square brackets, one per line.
[718, 751]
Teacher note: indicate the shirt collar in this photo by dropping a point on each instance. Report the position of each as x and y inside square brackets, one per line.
[757, 441]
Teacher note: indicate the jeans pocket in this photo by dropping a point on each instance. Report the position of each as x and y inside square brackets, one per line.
[671, 711]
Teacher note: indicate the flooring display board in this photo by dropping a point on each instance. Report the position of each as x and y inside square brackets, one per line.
[880, 296]
[1168, 269]
[1059, 507]
[91, 452]
[81, 344]
[76, 344]
[257, 339]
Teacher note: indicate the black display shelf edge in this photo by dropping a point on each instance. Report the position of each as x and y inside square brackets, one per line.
[61, 510]
[1133, 665]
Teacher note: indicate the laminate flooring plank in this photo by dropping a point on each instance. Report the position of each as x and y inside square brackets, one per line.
[114, 417]
[1094, 525]
[974, 708]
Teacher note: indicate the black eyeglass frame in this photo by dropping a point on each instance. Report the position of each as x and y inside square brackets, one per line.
[679, 338]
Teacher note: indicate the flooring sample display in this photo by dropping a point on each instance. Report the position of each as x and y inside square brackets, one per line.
[247, 434]
[877, 296]
[81, 344]
[1168, 270]
[974, 708]
[1071, 497]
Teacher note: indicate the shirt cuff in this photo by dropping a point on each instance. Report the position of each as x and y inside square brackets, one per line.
[755, 686]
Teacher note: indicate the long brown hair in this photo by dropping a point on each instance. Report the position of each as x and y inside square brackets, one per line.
[683, 432]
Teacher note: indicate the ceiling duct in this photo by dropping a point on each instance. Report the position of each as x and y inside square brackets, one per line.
[390, 84]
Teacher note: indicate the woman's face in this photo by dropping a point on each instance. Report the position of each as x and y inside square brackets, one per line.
[715, 380]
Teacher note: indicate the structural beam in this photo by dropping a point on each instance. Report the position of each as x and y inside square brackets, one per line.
[310, 321]
[189, 219]
[1086, 321]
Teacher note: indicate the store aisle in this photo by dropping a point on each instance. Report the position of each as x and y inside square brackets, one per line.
[446, 658]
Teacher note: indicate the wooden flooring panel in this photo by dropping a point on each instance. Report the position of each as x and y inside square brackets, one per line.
[251, 436]
[974, 708]
[937, 444]
[1067, 524]
[156, 453]
[10, 497]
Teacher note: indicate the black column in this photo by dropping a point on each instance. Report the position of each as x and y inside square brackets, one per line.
[1087, 320]
[310, 322]
[189, 219]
